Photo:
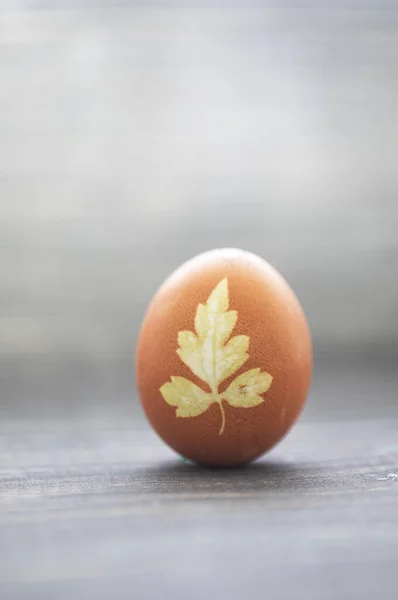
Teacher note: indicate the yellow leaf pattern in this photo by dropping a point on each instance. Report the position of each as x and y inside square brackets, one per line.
[245, 390]
[212, 358]
[189, 399]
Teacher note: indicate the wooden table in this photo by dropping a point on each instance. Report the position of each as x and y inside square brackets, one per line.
[96, 513]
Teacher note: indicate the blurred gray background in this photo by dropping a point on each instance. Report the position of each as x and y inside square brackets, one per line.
[135, 135]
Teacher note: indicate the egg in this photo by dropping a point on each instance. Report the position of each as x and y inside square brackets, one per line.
[224, 358]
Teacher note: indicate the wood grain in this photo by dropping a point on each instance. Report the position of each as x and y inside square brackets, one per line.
[96, 513]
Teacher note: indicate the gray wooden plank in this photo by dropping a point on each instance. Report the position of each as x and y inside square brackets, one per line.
[85, 513]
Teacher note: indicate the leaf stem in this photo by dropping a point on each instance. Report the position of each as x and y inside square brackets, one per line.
[222, 418]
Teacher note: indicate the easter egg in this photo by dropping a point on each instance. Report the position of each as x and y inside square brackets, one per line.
[224, 358]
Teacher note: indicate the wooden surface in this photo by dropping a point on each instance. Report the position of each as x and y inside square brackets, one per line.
[91, 514]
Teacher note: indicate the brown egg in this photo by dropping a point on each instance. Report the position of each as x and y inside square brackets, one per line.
[224, 358]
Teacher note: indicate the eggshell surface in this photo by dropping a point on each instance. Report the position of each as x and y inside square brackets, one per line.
[224, 358]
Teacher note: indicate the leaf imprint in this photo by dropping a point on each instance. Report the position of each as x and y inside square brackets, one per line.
[213, 356]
